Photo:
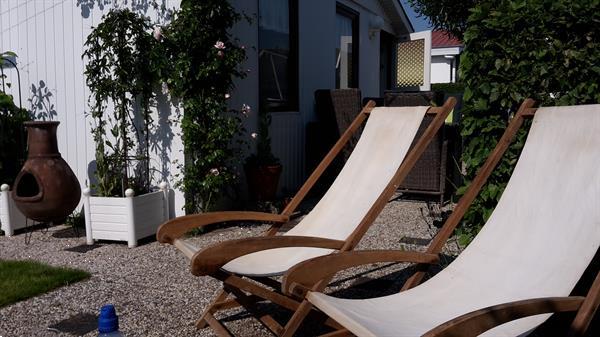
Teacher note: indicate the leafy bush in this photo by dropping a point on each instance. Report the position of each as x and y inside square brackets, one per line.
[448, 88]
[203, 61]
[544, 49]
[12, 132]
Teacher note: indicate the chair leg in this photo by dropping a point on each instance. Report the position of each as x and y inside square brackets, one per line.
[249, 304]
[217, 327]
[201, 323]
[294, 322]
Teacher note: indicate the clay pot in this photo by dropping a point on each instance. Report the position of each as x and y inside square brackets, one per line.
[46, 189]
[263, 181]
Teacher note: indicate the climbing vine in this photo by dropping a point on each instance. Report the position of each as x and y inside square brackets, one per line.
[123, 65]
[203, 61]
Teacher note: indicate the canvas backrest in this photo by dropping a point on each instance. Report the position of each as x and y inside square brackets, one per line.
[384, 143]
[546, 227]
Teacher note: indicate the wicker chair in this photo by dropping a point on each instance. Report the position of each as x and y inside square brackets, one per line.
[335, 109]
[428, 177]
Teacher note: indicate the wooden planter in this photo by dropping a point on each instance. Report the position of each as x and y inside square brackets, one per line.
[125, 219]
[10, 216]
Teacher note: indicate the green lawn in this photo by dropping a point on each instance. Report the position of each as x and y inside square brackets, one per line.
[20, 280]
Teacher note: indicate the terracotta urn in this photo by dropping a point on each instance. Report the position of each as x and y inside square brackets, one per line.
[46, 189]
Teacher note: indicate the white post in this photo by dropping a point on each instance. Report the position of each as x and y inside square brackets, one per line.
[87, 212]
[5, 206]
[131, 239]
[164, 187]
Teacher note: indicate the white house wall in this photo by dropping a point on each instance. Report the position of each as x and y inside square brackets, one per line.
[442, 69]
[48, 37]
[316, 43]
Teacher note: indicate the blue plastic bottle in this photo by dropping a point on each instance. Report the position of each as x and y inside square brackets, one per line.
[108, 322]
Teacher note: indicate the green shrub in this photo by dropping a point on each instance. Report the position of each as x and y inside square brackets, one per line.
[448, 88]
[544, 49]
[12, 138]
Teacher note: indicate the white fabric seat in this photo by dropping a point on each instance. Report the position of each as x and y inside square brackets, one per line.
[539, 240]
[384, 143]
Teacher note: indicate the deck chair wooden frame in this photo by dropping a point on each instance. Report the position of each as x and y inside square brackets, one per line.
[247, 291]
[314, 274]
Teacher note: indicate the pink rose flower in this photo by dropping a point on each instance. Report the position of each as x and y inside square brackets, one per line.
[220, 45]
[157, 33]
[246, 109]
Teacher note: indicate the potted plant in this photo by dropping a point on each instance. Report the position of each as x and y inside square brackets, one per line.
[122, 72]
[262, 168]
[12, 155]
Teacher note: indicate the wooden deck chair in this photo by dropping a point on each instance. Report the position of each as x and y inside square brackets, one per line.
[380, 161]
[533, 249]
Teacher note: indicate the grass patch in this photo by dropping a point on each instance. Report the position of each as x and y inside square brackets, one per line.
[20, 280]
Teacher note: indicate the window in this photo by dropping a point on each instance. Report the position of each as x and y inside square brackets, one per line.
[346, 49]
[278, 54]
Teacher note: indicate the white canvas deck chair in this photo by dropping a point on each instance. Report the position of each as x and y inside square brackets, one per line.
[378, 164]
[523, 264]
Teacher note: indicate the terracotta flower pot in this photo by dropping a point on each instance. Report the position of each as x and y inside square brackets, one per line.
[263, 181]
[46, 189]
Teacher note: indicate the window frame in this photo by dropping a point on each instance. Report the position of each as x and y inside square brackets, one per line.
[292, 103]
[354, 16]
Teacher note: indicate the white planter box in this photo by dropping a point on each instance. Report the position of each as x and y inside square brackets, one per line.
[125, 219]
[10, 216]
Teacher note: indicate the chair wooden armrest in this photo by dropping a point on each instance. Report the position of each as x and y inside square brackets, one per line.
[479, 321]
[210, 259]
[175, 228]
[304, 275]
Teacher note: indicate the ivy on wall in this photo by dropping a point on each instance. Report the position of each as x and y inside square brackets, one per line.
[544, 49]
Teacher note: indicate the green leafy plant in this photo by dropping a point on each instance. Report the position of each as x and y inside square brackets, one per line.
[12, 132]
[203, 61]
[264, 155]
[448, 88]
[543, 49]
[123, 65]
[76, 219]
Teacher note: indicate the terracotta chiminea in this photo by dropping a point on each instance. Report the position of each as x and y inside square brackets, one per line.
[46, 189]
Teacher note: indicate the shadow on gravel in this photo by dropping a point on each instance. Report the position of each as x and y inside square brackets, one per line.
[69, 233]
[77, 325]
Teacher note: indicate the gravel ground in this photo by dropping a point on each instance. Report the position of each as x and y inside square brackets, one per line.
[153, 290]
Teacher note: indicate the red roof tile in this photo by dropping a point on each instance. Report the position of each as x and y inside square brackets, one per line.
[439, 39]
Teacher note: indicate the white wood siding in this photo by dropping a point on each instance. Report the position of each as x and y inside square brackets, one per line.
[48, 37]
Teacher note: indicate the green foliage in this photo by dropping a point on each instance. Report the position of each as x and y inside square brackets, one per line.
[122, 70]
[20, 280]
[264, 155]
[544, 49]
[76, 219]
[448, 15]
[203, 62]
[448, 88]
[12, 134]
